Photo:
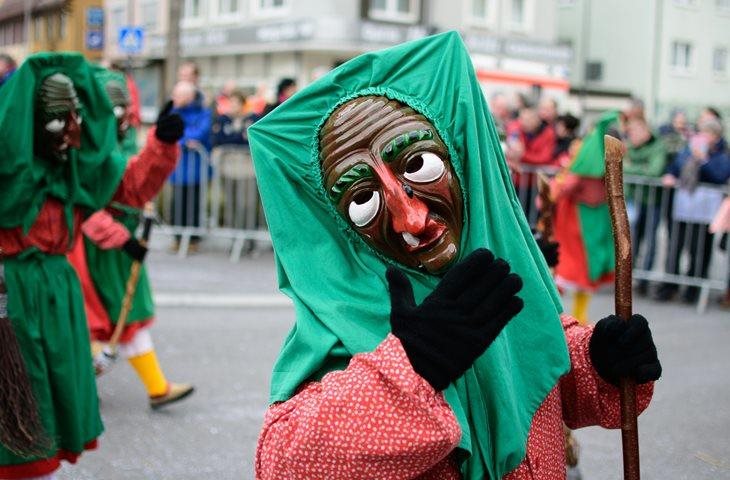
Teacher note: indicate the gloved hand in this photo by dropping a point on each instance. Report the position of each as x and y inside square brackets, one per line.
[135, 249]
[550, 250]
[170, 126]
[624, 349]
[455, 324]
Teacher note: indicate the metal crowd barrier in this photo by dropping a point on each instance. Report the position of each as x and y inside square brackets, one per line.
[671, 244]
[675, 248]
[213, 195]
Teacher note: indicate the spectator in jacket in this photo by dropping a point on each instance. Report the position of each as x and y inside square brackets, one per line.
[230, 127]
[7, 67]
[705, 160]
[192, 169]
[675, 134]
[286, 88]
[547, 109]
[566, 131]
[646, 156]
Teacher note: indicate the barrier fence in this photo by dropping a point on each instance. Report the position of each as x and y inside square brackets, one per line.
[215, 196]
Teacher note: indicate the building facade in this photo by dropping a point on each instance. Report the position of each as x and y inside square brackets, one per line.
[669, 53]
[253, 41]
[28, 26]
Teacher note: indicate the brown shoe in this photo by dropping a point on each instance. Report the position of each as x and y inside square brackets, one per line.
[175, 392]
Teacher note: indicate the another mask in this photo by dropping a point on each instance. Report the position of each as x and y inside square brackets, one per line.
[57, 118]
[120, 103]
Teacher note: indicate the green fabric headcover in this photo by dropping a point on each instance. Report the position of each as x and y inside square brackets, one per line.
[337, 282]
[115, 86]
[92, 173]
[589, 162]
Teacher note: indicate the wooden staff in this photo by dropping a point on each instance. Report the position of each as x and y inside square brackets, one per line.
[622, 244]
[547, 207]
[109, 354]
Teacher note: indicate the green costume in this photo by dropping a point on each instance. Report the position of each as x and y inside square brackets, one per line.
[337, 282]
[110, 268]
[45, 304]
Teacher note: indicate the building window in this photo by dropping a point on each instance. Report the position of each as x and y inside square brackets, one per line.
[403, 11]
[519, 15]
[229, 7]
[482, 13]
[150, 12]
[686, 3]
[62, 23]
[50, 23]
[681, 60]
[719, 61]
[37, 26]
[723, 6]
[270, 7]
[192, 9]
[228, 10]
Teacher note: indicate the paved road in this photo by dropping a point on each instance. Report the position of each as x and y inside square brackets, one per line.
[228, 354]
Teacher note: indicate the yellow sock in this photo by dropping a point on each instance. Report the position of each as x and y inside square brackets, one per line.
[580, 306]
[149, 371]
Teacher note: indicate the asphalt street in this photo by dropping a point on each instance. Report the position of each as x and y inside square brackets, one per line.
[220, 326]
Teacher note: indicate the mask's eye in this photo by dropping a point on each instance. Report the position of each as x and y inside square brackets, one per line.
[423, 168]
[55, 125]
[79, 119]
[119, 111]
[363, 207]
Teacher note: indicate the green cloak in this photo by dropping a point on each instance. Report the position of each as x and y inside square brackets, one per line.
[93, 172]
[45, 303]
[337, 282]
[109, 269]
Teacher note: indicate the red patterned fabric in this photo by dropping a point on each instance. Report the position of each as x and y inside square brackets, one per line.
[142, 179]
[379, 419]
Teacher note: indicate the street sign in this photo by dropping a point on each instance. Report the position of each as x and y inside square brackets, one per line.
[94, 40]
[130, 40]
[95, 17]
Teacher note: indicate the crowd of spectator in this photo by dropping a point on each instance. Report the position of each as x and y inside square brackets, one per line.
[671, 171]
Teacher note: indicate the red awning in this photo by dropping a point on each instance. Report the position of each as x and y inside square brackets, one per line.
[523, 79]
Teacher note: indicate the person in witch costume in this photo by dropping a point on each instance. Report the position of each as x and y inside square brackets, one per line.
[429, 341]
[60, 161]
[103, 256]
[582, 221]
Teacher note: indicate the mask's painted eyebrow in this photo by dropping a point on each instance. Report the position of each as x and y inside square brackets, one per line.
[358, 172]
[401, 142]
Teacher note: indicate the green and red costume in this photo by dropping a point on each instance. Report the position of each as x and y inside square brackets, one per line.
[40, 214]
[582, 222]
[346, 401]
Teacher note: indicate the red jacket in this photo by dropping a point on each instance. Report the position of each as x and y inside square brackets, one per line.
[379, 419]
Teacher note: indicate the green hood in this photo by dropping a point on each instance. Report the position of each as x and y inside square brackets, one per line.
[589, 162]
[128, 146]
[337, 282]
[92, 173]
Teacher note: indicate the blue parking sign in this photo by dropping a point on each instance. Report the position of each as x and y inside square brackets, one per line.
[130, 40]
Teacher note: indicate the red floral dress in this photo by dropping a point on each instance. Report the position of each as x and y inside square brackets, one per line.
[379, 419]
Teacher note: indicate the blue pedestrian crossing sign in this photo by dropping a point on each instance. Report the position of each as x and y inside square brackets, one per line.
[130, 40]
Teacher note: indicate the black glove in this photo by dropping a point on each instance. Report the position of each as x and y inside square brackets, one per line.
[170, 126]
[550, 250]
[455, 324]
[135, 249]
[621, 349]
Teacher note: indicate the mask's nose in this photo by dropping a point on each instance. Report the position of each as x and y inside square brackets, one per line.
[407, 212]
[73, 131]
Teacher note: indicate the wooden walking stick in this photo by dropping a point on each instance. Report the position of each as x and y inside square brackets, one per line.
[547, 207]
[622, 244]
[108, 356]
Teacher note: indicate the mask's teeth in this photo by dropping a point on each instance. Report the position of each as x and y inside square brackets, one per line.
[411, 240]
